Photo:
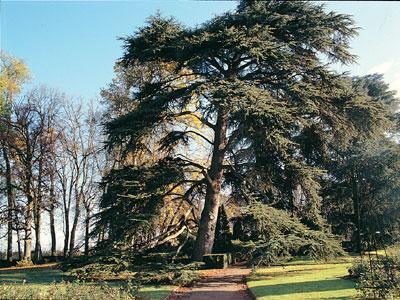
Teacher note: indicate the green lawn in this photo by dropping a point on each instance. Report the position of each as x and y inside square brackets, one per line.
[41, 279]
[303, 281]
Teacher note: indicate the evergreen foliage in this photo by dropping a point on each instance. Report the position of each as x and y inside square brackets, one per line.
[362, 192]
[269, 235]
[253, 89]
[133, 198]
[223, 233]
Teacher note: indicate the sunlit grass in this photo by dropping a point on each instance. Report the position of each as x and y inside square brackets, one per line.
[303, 281]
[308, 261]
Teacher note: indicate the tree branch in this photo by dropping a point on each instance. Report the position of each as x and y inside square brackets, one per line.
[202, 120]
[200, 135]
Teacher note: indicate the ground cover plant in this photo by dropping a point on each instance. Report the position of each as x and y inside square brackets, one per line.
[52, 283]
[143, 268]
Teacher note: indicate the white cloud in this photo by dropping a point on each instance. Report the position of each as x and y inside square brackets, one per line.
[395, 84]
[391, 71]
[382, 68]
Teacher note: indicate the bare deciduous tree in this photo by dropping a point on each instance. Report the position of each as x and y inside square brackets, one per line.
[78, 171]
[33, 127]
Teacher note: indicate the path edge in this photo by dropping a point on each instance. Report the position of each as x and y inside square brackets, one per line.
[172, 293]
[249, 291]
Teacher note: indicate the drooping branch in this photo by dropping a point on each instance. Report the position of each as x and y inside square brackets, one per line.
[203, 169]
[203, 120]
[201, 135]
[172, 233]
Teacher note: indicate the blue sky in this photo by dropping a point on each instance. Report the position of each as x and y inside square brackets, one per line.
[72, 45]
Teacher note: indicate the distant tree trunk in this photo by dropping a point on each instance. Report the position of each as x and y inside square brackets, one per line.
[39, 198]
[223, 234]
[66, 238]
[17, 229]
[51, 216]
[66, 205]
[38, 212]
[87, 231]
[87, 203]
[38, 221]
[206, 232]
[52, 231]
[29, 205]
[28, 229]
[74, 224]
[99, 237]
[357, 216]
[9, 187]
[10, 203]
[19, 245]
[74, 227]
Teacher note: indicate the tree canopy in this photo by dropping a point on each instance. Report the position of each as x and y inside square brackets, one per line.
[247, 105]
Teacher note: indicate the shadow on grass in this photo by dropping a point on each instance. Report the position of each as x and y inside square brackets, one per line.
[33, 276]
[154, 294]
[212, 294]
[303, 287]
[286, 273]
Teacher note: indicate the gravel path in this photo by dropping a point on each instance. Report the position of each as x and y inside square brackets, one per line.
[226, 284]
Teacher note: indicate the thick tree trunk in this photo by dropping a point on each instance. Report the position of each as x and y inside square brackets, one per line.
[10, 203]
[209, 215]
[208, 221]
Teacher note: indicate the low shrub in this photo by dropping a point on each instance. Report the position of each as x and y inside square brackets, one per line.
[176, 274]
[24, 263]
[394, 250]
[378, 278]
[186, 278]
[269, 235]
[6, 263]
[217, 261]
[359, 269]
[100, 272]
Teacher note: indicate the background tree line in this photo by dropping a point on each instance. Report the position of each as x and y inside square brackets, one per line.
[51, 162]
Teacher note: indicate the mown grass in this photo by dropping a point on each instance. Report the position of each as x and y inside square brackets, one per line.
[308, 280]
[42, 282]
